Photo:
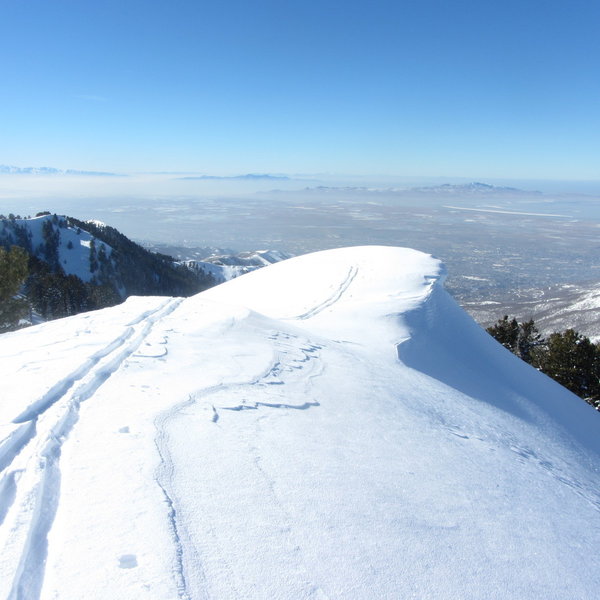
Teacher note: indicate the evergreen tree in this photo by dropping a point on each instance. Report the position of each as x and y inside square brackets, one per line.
[569, 358]
[506, 332]
[13, 271]
[519, 338]
[106, 272]
[93, 259]
[528, 339]
[574, 361]
[51, 238]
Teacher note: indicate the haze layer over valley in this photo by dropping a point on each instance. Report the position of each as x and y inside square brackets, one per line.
[508, 248]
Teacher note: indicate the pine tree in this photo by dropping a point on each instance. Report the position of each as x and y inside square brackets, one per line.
[506, 332]
[51, 239]
[569, 358]
[93, 259]
[574, 361]
[519, 338]
[528, 339]
[13, 271]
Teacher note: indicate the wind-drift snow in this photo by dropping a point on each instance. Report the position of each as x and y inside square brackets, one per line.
[332, 426]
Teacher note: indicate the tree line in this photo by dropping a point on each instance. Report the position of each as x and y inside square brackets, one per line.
[570, 358]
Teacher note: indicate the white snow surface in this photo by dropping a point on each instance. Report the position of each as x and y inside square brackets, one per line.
[331, 426]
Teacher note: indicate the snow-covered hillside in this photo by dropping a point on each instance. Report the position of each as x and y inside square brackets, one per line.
[74, 266]
[70, 246]
[223, 267]
[331, 426]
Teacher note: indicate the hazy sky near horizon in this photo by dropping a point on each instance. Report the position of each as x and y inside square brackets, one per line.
[417, 88]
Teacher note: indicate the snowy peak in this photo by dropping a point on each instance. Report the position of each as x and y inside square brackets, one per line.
[330, 426]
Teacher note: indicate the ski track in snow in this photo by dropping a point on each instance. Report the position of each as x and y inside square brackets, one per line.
[19, 438]
[195, 582]
[8, 492]
[15, 442]
[339, 292]
[38, 503]
[293, 355]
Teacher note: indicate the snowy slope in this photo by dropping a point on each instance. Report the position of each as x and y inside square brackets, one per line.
[225, 267]
[331, 426]
[73, 246]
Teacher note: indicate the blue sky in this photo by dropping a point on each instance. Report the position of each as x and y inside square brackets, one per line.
[472, 88]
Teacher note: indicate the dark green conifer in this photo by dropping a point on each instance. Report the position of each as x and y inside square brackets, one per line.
[13, 271]
[574, 361]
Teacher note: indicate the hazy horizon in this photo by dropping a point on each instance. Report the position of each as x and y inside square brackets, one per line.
[16, 187]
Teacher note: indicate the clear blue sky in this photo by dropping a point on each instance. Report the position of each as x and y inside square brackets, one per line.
[421, 87]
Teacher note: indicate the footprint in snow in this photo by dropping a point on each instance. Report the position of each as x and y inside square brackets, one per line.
[128, 561]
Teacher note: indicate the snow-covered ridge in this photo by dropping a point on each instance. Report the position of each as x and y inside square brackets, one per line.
[312, 283]
[330, 426]
[223, 267]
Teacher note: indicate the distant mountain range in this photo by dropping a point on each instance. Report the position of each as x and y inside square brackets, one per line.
[474, 187]
[12, 170]
[247, 177]
[447, 189]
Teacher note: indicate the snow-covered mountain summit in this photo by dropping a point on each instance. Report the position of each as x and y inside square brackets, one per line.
[331, 426]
